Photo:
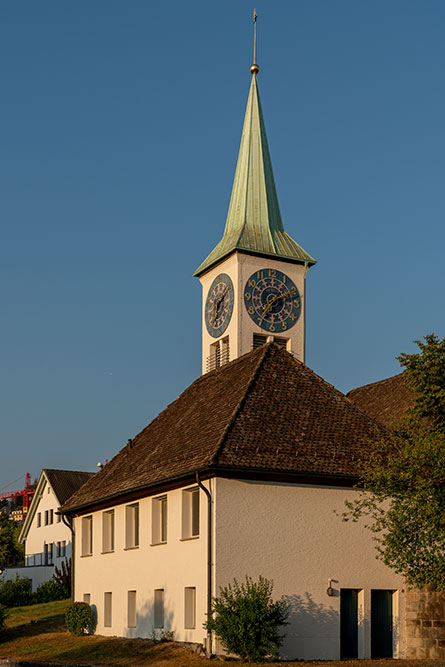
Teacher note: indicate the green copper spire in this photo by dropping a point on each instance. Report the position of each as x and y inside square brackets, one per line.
[254, 222]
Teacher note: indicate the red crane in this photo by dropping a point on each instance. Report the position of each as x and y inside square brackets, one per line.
[27, 494]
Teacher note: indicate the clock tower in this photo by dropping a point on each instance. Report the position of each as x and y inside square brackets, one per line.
[254, 280]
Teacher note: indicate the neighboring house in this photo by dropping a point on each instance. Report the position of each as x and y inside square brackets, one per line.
[16, 515]
[247, 471]
[47, 539]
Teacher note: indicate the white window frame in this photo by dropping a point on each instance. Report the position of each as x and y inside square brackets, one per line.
[87, 535]
[131, 609]
[159, 514]
[190, 513]
[108, 531]
[132, 526]
[108, 610]
[158, 608]
[190, 607]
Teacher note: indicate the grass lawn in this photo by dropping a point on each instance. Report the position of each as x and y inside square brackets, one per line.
[49, 640]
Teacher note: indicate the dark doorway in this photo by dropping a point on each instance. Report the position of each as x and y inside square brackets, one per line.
[348, 623]
[381, 624]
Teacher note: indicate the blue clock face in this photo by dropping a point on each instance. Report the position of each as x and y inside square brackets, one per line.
[272, 300]
[219, 305]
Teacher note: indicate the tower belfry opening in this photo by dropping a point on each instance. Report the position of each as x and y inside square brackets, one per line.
[254, 279]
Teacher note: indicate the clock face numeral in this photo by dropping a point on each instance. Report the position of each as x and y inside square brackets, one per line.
[272, 300]
[219, 305]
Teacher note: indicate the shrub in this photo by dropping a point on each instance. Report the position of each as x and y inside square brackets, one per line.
[15, 592]
[78, 618]
[49, 591]
[4, 611]
[247, 620]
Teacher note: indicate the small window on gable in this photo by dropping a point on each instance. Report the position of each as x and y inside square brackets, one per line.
[258, 340]
[49, 490]
[219, 354]
[261, 339]
[59, 517]
[108, 531]
[159, 520]
[190, 513]
[87, 535]
[189, 607]
[46, 517]
[108, 597]
[39, 519]
[132, 526]
[159, 608]
[131, 609]
[51, 516]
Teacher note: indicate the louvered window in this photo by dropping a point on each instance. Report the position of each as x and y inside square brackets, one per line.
[258, 340]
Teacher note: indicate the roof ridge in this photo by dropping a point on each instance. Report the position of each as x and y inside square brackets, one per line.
[88, 472]
[238, 407]
[371, 384]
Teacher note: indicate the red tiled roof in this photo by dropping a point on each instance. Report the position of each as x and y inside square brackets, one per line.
[384, 400]
[265, 411]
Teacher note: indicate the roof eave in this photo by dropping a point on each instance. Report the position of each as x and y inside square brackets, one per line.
[216, 470]
[201, 270]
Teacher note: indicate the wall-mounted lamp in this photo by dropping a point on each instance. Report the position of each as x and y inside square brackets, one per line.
[330, 590]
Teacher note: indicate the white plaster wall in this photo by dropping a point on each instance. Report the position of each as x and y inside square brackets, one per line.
[240, 267]
[171, 566]
[289, 533]
[37, 575]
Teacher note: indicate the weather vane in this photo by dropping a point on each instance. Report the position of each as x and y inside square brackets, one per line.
[254, 69]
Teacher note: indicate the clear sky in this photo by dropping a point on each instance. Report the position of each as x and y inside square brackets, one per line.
[120, 127]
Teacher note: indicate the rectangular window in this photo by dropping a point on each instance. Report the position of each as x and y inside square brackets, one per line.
[50, 552]
[87, 535]
[46, 517]
[159, 520]
[131, 609]
[59, 518]
[63, 552]
[132, 526]
[159, 608]
[51, 516]
[58, 549]
[39, 519]
[87, 598]
[190, 513]
[107, 609]
[190, 607]
[108, 531]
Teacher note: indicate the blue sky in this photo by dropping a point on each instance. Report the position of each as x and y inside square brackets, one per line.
[120, 130]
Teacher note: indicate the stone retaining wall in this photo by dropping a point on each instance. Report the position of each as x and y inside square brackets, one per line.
[425, 624]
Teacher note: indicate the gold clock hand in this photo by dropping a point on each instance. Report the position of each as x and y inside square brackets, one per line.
[217, 302]
[275, 299]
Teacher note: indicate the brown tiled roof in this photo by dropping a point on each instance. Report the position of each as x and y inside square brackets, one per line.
[265, 411]
[66, 482]
[385, 400]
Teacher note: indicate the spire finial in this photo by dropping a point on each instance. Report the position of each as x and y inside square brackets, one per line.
[254, 69]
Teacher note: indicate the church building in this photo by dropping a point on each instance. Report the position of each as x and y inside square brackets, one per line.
[247, 471]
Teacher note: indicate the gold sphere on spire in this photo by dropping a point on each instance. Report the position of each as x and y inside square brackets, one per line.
[255, 68]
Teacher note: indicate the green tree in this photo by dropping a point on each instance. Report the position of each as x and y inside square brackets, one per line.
[403, 476]
[247, 620]
[11, 552]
